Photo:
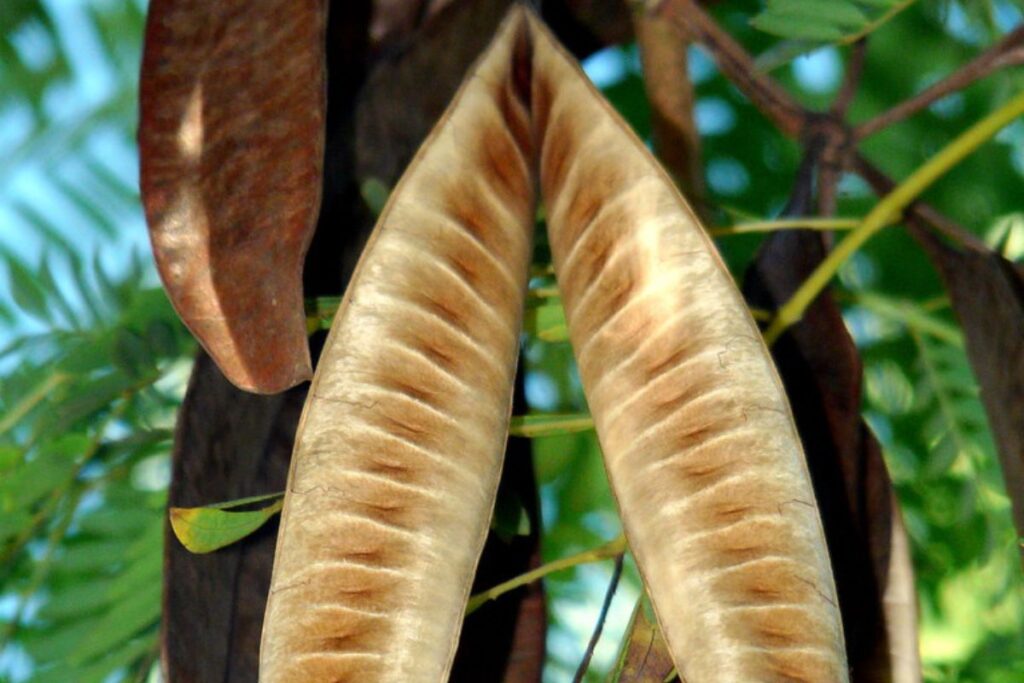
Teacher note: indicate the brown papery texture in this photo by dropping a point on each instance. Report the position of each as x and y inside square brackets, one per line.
[231, 145]
[698, 439]
[399, 449]
[987, 294]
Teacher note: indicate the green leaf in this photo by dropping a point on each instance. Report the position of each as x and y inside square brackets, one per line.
[77, 599]
[89, 398]
[87, 557]
[795, 27]
[205, 529]
[13, 523]
[117, 296]
[161, 339]
[50, 644]
[533, 426]
[510, 517]
[547, 322]
[86, 353]
[375, 194]
[142, 572]
[243, 502]
[123, 621]
[841, 13]
[50, 284]
[43, 474]
[131, 354]
[86, 291]
[117, 657]
[9, 457]
[26, 293]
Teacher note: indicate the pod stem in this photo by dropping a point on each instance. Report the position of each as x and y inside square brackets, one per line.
[892, 205]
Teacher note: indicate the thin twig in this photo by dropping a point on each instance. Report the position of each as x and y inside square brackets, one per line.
[663, 56]
[33, 399]
[696, 25]
[909, 315]
[602, 552]
[588, 654]
[836, 135]
[828, 182]
[1007, 52]
[875, 24]
[893, 204]
[795, 223]
[543, 292]
[851, 80]
[802, 195]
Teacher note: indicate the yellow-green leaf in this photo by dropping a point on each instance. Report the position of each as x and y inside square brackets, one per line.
[205, 529]
[547, 322]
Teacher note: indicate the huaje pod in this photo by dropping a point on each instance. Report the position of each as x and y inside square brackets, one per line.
[231, 142]
[698, 440]
[399, 450]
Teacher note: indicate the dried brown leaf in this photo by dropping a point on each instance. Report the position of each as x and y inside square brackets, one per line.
[987, 293]
[670, 93]
[644, 657]
[231, 144]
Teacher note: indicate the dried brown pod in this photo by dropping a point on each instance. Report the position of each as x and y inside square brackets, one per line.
[399, 448]
[231, 131]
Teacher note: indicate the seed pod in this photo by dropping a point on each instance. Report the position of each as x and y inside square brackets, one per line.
[399, 449]
[398, 453]
[698, 439]
[232, 115]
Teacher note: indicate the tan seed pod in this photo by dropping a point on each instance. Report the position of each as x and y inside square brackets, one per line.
[399, 450]
[698, 439]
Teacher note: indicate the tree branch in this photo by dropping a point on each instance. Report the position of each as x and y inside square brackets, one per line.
[851, 80]
[588, 654]
[695, 25]
[802, 195]
[790, 223]
[676, 140]
[924, 213]
[1007, 52]
[893, 204]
